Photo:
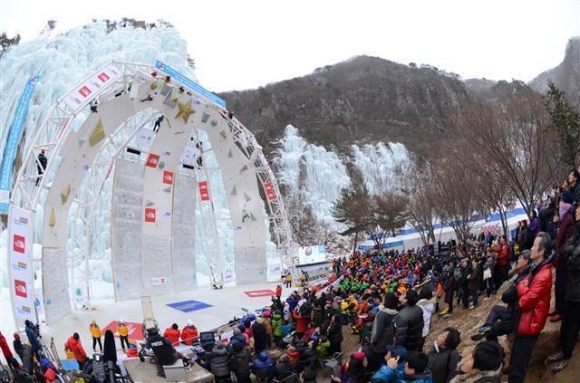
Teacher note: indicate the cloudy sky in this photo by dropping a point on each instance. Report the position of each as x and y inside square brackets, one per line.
[242, 44]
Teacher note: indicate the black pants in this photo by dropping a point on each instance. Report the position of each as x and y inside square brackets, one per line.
[521, 353]
[499, 326]
[124, 341]
[570, 328]
[95, 341]
[288, 283]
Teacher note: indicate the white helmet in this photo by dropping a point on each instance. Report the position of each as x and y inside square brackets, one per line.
[189, 322]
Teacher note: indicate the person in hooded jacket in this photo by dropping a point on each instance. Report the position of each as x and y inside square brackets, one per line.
[409, 322]
[383, 332]
[263, 367]
[217, 362]
[172, 334]
[484, 365]
[260, 335]
[534, 295]
[239, 337]
[334, 334]
[32, 334]
[24, 352]
[443, 356]
[239, 363]
[277, 323]
[74, 345]
[189, 333]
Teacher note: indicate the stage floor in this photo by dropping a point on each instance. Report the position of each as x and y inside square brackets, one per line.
[225, 304]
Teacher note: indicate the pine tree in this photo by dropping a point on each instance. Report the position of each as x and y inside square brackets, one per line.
[566, 121]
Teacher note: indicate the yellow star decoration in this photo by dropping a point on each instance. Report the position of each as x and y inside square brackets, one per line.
[184, 111]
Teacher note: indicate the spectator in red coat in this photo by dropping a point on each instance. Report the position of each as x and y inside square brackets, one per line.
[534, 293]
[279, 292]
[74, 345]
[172, 334]
[189, 334]
[301, 323]
[12, 362]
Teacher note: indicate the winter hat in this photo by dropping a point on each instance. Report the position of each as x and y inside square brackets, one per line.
[567, 197]
[360, 356]
[237, 346]
[263, 356]
[16, 336]
[190, 323]
[488, 356]
[260, 320]
[174, 326]
[237, 331]
[399, 351]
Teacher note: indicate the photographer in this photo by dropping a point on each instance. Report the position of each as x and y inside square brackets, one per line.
[165, 354]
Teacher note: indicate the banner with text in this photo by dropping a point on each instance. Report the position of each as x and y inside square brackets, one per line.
[189, 83]
[203, 191]
[82, 94]
[14, 135]
[20, 270]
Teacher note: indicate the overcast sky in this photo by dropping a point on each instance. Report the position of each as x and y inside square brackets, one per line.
[242, 44]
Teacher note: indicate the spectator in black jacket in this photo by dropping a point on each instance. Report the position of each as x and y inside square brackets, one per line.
[501, 320]
[239, 363]
[383, 332]
[334, 335]
[443, 356]
[284, 368]
[217, 361]
[409, 323]
[260, 335]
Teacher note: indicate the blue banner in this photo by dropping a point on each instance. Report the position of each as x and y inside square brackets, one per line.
[190, 83]
[14, 135]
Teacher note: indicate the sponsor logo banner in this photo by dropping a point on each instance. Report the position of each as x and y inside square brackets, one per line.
[259, 293]
[134, 329]
[152, 160]
[269, 189]
[167, 177]
[189, 306]
[150, 214]
[85, 92]
[203, 191]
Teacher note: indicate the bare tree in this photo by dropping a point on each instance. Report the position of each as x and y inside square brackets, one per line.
[456, 188]
[421, 208]
[515, 142]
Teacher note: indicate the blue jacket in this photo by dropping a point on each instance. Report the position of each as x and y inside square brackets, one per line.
[32, 336]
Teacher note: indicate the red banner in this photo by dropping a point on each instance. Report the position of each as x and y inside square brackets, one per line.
[260, 293]
[269, 191]
[203, 191]
[134, 329]
[152, 160]
[19, 243]
[167, 177]
[150, 214]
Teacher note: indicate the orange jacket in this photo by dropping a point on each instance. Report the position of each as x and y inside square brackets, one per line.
[189, 335]
[172, 335]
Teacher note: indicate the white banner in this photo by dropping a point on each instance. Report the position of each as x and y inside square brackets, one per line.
[189, 156]
[20, 276]
[82, 94]
[79, 294]
[228, 274]
[274, 270]
[156, 281]
[144, 139]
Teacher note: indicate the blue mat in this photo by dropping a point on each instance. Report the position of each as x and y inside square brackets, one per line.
[189, 306]
[69, 364]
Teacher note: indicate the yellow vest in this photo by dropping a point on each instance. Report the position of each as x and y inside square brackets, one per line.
[95, 330]
[122, 330]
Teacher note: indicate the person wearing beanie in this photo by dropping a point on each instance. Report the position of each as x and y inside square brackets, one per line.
[32, 334]
[24, 352]
[263, 368]
[238, 337]
[284, 368]
[172, 334]
[394, 367]
[189, 334]
[123, 332]
[483, 365]
[74, 345]
[260, 335]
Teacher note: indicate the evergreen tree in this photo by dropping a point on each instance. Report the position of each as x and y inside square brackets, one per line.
[566, 121]
[6, 42]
